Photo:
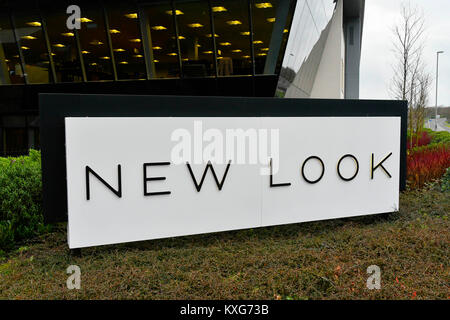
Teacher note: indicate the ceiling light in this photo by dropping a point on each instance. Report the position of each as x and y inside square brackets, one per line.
[246, 57]
[85, 52]
[185, 59]
[270, 19]
[135, 40]
[24, 48]
[119, 50]
[158, 28]
[85, 20]
[234, 22]
[245, 33]
[207, 52]
[155, 60]
[209, 35]
[262, 54]
[156, 48]
[257, 42]
[225, 43]
[285, 31]
[218, 58]
[172, 54]
[59, 45]
[105, 58]
[96, 43]
[114, 31]
[93, 64]
[68, 34]
[6, 60]
[29, 38]
[264, 49]
[195, 25]
[177, 12]
[236, 50]
[138, 56]
[34, 24]
[219, 9]
[123, 62]
[263, 5]
[131, 15]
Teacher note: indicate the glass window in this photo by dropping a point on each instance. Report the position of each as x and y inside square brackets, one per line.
[63, 44]
[232, 37]
[264, 19]
[162, 43]
[33, 46]
[271, 23]
[94, 45]
[196, 48]
[14, 141]
[10, 66]
[127, 42]
[284, 41]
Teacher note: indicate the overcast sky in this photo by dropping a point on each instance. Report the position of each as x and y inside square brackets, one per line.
[377, 56]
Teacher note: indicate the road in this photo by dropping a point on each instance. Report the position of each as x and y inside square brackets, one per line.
[440, 125]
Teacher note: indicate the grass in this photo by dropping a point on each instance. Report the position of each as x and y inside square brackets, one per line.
[318, 260]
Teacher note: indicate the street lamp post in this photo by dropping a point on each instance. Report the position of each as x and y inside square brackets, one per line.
[437, 78]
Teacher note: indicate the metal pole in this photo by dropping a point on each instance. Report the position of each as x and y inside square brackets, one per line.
[437, 81]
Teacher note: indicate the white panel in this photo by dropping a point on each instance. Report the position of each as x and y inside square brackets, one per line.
[102, 143]
[331, 197]
[246, 199]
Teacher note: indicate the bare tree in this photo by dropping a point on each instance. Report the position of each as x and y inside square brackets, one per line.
[410, 81]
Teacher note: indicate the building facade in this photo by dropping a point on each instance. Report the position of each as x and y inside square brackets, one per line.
[276, 48]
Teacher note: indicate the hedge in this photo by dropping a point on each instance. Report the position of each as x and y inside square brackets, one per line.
[21, 214]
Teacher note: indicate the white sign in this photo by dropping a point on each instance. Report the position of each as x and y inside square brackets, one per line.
[132, 179]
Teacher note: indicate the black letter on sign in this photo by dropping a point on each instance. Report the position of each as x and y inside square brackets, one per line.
[209, 165]
[339, 164]
[119, 180]
[303, 169]
[276, 184]
[380, 165]
[153, 178]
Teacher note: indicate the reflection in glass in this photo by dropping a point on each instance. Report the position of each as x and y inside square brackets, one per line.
[196, 49]
[10, 68]
[232, 34]
[162, 42]
[62, 44]
[94, 45]
[126, 41]
[307, 38]
[33, 47]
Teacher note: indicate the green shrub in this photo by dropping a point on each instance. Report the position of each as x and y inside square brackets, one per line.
[20, 199]
[445, 181]
[440, 137]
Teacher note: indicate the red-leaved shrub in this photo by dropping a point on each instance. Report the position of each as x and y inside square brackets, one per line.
[427, 163]
[419, 140]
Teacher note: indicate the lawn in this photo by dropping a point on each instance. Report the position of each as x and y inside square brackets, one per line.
[318, 260]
